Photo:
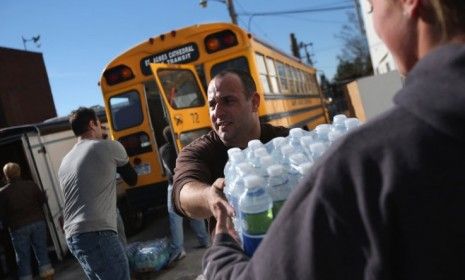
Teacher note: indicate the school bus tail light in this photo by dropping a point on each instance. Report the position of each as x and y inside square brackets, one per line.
[118, 74]
[220, 40]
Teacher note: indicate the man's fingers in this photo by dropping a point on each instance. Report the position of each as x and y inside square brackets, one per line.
[221, 217]
[219, 184]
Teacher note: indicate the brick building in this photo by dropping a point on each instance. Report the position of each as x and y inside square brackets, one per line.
[25, 94]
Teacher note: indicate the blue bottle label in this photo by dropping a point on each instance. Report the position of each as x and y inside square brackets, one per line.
[251, 242]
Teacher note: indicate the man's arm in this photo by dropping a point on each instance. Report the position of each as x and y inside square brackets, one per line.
[197, 199]
[128, 174]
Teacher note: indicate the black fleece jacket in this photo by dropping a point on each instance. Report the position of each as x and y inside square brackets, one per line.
[386, 202]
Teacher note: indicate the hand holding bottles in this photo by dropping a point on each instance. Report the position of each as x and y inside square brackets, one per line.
[215, 196]
[224, 223]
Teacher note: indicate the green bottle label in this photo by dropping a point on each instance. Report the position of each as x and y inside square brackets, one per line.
[256, 223]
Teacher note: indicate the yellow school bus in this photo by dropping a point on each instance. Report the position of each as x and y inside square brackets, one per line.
[162, 81]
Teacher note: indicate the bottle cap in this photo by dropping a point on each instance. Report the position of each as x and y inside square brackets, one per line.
[297, 159]
[244, 168]
[278, 141]
[253, 181]
[266, 160]
[304, 168]
[287, 150]
[255, 143]
[340, 118]
[352, 123]
[237, 157]
[260, 152]
[275, 170]
[296, 132]
[233, 150]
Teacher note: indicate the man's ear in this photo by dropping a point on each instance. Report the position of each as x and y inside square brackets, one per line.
[92, 124]
[411, 7]
[255, 102]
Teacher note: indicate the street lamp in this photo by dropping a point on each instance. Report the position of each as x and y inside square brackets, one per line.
[229, 4]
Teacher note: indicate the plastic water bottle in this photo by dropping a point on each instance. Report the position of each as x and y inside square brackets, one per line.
[258, 153]
[303, 169]
[339, 123]
[286, 151]
[317, 150]
[255, 206]
[305, 142]
[295, 160]
[252, 145]
[352, 123]
[333, 135]
[235, 157]
[295, 134]
[338, 128]
[265, 162]
[278, 186]
[236, 187]
[276, 145]
[236, 190]
[322, 132]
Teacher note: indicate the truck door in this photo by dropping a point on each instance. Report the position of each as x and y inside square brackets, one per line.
[185, 101]
[44, 176]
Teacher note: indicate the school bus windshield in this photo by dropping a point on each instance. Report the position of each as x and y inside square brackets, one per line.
[181, 89]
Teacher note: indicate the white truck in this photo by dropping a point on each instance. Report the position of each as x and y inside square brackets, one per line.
[39, 150]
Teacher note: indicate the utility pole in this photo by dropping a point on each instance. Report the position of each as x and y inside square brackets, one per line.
[294, 46]
[232, 11]
[359, 18]
[304, 46]
[229, 4]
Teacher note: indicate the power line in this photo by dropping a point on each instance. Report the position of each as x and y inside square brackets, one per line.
[300, 11]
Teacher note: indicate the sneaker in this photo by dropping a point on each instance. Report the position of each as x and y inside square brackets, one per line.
[177, 256]
[202, 246]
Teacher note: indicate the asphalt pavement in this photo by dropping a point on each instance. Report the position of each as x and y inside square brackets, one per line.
[156, 226]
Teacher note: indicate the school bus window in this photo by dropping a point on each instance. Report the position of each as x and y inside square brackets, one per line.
[301, 81]
[282, 77]
[136, 143]
[307, 90]
[306, 83]
[295, 77]
[297, 81]
[239, 63]
[290, 78]
[272, 75]
[263, 74]
[187, 137]
[125, 110]
[181, 88]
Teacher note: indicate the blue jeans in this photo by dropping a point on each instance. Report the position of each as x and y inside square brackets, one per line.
[176, 228]
[101, 255]
[23, 238]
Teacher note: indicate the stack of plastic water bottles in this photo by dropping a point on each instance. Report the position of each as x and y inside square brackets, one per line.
[260, 178]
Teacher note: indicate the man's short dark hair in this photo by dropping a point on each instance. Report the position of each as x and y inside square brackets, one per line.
[246, 79]
[80, 118]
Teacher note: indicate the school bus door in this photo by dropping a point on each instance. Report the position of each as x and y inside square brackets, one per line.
[185, 101]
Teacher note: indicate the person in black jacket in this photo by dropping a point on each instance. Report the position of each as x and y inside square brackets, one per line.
[387, 201]
[168, 156]
[21, 203]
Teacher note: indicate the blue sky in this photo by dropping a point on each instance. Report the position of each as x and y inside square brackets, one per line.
[78, 38]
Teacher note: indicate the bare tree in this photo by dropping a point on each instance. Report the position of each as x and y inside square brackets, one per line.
[354, 61]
